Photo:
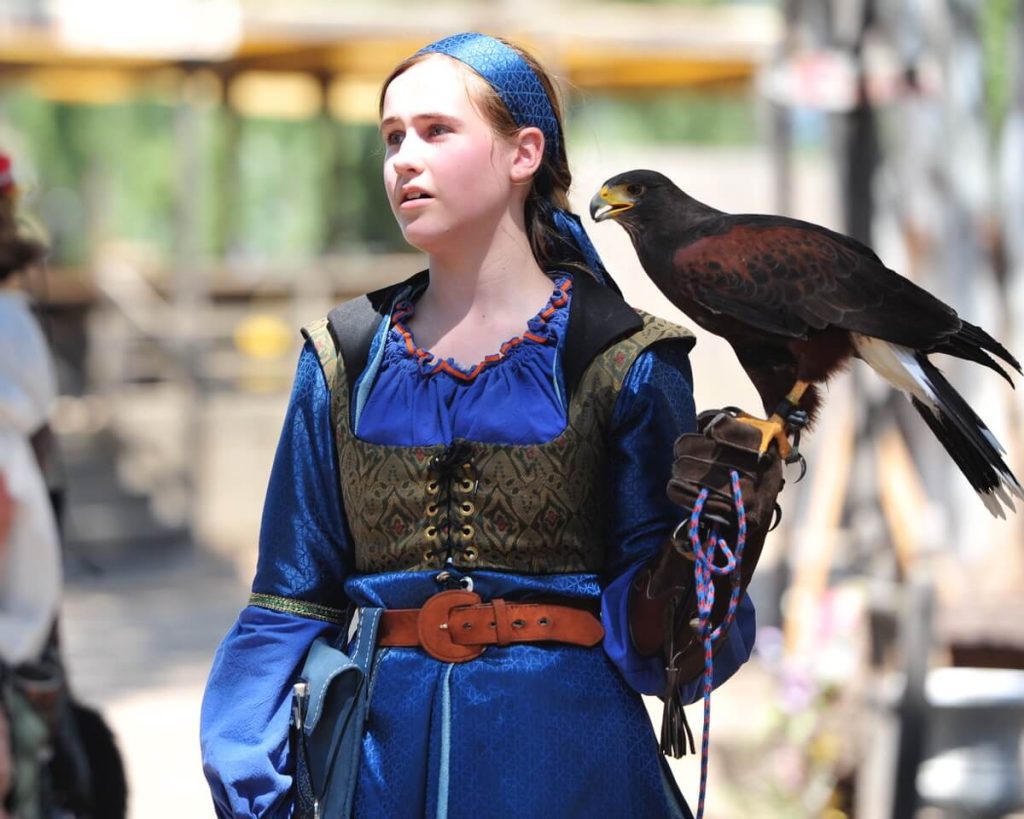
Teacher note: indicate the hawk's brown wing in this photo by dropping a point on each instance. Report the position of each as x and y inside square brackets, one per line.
[788, 277]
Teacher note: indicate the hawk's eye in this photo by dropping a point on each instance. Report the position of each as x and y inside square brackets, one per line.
[635, 189]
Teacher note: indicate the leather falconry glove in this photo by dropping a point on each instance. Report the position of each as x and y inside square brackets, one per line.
[664, 604]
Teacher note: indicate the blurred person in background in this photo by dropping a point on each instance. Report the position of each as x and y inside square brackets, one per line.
[499, 428]
[30, 563]
[30, 572]
[59, 757]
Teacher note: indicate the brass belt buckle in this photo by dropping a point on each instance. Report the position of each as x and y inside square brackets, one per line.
[433, 630]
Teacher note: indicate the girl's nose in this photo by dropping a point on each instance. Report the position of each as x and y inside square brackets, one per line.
[408, 158]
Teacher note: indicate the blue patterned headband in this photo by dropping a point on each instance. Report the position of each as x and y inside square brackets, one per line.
[509, 75]
[523, 94]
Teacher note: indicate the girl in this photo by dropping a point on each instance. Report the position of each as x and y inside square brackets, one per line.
[500, 425]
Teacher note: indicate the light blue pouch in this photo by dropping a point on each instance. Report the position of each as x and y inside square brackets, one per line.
[329, 707]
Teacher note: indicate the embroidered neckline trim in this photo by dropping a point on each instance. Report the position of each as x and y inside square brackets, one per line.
[537, 332]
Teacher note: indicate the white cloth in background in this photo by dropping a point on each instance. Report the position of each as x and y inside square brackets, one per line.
[30, 566]
[28, 384]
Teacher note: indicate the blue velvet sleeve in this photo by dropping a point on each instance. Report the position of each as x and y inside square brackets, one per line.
[655, 406]
[297, 596]
[245, 712]
[304, 541]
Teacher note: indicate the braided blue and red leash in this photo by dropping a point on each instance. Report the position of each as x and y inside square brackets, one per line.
[704, 572]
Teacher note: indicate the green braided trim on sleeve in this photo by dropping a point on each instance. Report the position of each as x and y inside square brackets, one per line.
[319, 335]
[289, 605]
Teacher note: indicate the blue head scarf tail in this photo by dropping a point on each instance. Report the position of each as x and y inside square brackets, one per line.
[523, 94]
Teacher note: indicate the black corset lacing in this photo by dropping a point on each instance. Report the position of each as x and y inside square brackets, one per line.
[452, 469]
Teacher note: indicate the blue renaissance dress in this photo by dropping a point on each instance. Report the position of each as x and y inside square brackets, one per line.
[525, 730]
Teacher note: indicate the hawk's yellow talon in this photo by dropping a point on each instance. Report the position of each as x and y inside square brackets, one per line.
[771, 429]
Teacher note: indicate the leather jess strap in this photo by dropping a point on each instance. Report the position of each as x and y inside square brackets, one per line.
[455, 626]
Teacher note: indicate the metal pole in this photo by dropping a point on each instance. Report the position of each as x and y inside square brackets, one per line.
[916, 630]
[189, 295]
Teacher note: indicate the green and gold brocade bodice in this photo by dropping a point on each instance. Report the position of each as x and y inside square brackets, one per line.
[536, 508]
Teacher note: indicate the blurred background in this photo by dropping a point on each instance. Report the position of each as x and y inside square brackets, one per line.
[207, 176]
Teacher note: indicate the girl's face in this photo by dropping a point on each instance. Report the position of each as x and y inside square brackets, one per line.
[448, 176]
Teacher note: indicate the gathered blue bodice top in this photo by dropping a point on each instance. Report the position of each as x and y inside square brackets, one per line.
[420, 399]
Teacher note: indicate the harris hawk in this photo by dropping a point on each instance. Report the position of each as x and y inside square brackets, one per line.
[796, 301]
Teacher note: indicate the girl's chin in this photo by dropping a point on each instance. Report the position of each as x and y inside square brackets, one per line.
[451, 236]
[428, 241]
[420, 243]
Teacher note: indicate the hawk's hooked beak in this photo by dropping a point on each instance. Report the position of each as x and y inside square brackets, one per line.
[609, 202]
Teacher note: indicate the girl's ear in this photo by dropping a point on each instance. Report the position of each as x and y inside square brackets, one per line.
[528, 154]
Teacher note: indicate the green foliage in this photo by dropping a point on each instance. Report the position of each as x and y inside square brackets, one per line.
[278, 200]
[42, 136]
[369, 211]
[135, 168]
[996, 31]
[267, 190]
[668, 117]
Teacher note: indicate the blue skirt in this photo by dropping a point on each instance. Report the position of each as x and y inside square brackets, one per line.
[526, 730]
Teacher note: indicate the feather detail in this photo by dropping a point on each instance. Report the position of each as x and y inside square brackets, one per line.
[967, 439]
[970, 343]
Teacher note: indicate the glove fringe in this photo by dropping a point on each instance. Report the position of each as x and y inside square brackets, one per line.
[676, 734]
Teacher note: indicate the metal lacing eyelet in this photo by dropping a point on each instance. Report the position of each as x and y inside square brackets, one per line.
[470, 554]
[432, 510]
[467, 531]
[428, 555]
[433, 487]
[430, 533]
[466, 485]
[467, 508]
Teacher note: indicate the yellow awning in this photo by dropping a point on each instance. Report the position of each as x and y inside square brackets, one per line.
[606, 48]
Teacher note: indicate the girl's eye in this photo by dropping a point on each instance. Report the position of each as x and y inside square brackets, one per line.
[438, 129]
[393, 139]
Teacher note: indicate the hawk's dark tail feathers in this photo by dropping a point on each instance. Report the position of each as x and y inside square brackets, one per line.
[968, 441]
[971, 342]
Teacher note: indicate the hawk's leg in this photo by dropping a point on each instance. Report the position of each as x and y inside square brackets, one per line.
[796, 420]
[788, 417]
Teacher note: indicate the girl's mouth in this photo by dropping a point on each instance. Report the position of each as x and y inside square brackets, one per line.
[415, 193]
[414, 199]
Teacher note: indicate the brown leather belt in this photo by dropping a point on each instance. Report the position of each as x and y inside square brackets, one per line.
[455, 626]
